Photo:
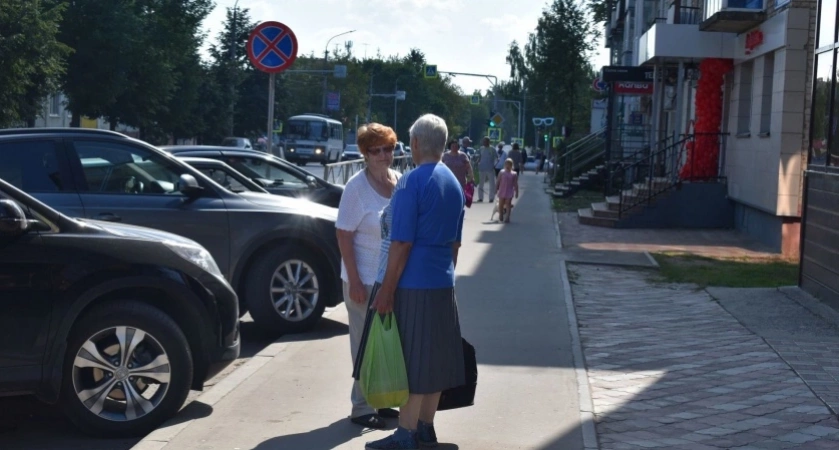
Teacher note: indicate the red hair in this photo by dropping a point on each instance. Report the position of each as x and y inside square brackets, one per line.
[374, 135]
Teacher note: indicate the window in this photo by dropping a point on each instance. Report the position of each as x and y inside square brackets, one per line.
[120, 169]
[336, 131]
[263, 169]
[55, 105]
[745, 98]
[824, 112]
[32, 166]
[223, 178]
[828, 23]
[767, 94]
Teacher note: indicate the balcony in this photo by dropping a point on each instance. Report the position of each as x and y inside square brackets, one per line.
[615, 27]
[732, 16]
[680, 41]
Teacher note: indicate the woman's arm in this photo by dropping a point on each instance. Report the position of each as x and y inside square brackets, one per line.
[358, 293]
[516, 185]
[397, 259]
[470, 173]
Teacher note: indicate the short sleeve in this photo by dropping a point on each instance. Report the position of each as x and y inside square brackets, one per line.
[404, 212]
[350, 209]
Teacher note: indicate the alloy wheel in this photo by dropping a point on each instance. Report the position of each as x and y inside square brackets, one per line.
[294, 290]
[121, 373]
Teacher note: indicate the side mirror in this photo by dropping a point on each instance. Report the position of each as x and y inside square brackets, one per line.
[188, 185]
[311, 181]
[12, 219]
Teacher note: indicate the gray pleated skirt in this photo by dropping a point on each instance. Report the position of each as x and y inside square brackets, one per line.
[430, 334]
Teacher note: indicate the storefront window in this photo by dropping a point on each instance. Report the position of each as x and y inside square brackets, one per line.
[828, 23]
[820, 129]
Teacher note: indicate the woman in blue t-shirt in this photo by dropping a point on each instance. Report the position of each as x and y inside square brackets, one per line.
[421, 231]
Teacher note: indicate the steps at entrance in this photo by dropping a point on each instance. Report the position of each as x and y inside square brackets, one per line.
[587, 217]
[582, 181]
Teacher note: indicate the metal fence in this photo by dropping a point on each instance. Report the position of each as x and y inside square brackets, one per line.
[341, 172]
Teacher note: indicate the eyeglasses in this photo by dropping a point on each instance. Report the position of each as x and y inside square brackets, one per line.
[378, 150]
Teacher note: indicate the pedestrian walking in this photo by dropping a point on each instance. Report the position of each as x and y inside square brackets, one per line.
[508, 186]
[524, 158]
[487, 160]
[359, 240]
[516, 155]
[459, 163]
[421, 236]
[541, 165]
[502, 156]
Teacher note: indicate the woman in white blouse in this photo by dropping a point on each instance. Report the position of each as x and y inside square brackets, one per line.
[359, 238]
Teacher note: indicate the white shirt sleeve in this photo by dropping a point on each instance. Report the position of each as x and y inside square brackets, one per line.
[350, 209]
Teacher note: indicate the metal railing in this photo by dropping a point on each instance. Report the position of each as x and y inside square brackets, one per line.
[641, 178]
[341, 172]
[583, 146]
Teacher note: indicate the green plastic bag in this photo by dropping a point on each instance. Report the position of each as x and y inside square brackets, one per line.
[382, 377]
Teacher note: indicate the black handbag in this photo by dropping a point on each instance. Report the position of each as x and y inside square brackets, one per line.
[464, 395]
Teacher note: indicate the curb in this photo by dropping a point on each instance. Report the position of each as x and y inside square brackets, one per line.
[165, 433]
[587, 414]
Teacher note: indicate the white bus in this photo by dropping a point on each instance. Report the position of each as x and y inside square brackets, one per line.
[312, 137]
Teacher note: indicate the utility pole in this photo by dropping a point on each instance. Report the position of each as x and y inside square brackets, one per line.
[232, 87]
[326, 53]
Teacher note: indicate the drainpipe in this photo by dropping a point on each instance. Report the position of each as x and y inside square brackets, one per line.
[678, 111]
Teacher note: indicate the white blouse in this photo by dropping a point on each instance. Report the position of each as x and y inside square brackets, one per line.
[359, 213]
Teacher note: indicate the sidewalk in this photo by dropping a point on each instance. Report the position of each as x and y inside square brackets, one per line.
[296, 394]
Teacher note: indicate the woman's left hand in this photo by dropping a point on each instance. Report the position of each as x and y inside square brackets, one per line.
[383, 302]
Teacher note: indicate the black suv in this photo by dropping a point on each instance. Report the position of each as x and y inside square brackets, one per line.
[115, 322]
[280, 254]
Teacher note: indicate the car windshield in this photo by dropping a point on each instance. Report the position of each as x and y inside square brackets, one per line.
[311, 130]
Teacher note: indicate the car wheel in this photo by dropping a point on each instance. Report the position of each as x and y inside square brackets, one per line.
[127, 369]
[287, 289]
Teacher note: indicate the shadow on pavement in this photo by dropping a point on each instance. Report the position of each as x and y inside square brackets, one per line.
[330, 436]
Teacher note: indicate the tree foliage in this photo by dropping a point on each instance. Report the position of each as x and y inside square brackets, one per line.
[31, 57]
[552, 68]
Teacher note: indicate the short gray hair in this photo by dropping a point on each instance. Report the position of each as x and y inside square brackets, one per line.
[430, 132]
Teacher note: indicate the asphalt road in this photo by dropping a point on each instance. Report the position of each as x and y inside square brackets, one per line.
[28, 424]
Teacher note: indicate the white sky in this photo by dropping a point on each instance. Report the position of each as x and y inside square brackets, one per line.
[458, 35]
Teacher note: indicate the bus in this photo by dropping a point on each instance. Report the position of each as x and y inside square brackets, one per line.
[312, 138]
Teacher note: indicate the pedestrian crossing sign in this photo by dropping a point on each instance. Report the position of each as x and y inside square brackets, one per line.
[519, 141]
[475, 100]
[430, 71]
[556, 141]
[495, 134]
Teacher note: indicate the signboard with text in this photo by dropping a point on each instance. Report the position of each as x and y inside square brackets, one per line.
[611, 74]
[633, 88]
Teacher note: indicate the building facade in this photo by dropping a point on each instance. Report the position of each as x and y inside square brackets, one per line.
[764, 101]
[819, 254]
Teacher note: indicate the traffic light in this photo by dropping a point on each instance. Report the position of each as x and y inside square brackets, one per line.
[545, 137]
[490, 123]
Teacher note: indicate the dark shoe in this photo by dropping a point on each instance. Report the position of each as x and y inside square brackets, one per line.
[426, 436]
[402, 439]
[370, 421]
[388, 413]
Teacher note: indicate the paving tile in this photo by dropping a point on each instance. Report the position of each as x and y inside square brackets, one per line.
[670, 368]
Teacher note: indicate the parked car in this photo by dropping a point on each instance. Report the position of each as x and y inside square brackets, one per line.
[224, 174]
[272, 173]
[237, 142]
[280, 254]
[114, 322]
[399, 150]
[351, 153]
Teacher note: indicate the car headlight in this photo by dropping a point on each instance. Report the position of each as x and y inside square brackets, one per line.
[196, 255]
[318, 151]
[291, 149]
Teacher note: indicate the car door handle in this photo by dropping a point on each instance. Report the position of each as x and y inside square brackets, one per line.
[109, 217]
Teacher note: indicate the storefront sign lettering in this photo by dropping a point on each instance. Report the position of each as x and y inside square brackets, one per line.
[629, 87]
[753, 40]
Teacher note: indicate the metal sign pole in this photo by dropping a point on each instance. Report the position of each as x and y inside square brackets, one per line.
[270, 135]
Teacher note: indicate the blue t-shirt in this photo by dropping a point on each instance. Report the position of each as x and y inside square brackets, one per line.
[426, 209]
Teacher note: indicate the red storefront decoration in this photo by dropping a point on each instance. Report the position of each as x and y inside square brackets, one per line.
[753, 40]
[702, 153]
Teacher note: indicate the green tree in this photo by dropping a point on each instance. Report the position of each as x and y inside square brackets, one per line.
[31, 57]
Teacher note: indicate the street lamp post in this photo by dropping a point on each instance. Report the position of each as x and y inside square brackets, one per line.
[326, 52]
